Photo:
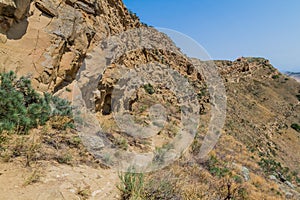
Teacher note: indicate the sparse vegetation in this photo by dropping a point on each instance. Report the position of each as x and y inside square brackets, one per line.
[255, 59]
[136, 186]
[65, 158]
[22, 108]
[132, 14]
[131, 186]
[202, 93]
[159, 156]
[270, 165]
[31, 152]
[215, 168]
[142, 108]
[149, 88]
[228, 189]
[160, 189]
[84, 193]
[33, 178]
[75, 141]
[160, 153]
[107, 159]
[296, 127]
[275, 76]
[121, 143]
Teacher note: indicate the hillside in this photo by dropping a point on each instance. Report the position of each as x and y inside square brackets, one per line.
[99, 56]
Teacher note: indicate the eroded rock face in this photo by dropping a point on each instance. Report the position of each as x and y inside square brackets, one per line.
[51, 44]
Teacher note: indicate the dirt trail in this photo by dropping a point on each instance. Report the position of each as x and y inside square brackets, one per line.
[56, 182]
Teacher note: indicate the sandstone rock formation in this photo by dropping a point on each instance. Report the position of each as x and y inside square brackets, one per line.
[12, 11]
[51, 43]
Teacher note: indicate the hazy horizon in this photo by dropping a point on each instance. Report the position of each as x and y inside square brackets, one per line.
[231, 29]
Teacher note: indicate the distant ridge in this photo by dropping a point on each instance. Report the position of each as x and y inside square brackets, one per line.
[295, 75]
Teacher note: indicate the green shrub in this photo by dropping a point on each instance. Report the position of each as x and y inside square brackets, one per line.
[60, 107]
[270, 165]
[237, 179]
[296, 127]
[65, 158]
[22, 108]
[298, 97]
[132, 185]
[202, 93]
[219, 171]
[149, 88]
[275, 76]
[216, 168]
[135, 186]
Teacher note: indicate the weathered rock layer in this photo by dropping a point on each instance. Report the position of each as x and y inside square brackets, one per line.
[51, 43]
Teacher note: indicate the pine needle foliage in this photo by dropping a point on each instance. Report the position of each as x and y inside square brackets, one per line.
[22, 108]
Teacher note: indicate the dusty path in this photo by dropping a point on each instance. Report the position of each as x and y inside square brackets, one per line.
[56, 182]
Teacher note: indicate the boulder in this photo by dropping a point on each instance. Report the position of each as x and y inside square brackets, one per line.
[12, 11]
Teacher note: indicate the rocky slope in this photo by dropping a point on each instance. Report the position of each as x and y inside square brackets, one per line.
[56, 41]
[265, 103]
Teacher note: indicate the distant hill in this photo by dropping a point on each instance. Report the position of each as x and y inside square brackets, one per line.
[295, 75]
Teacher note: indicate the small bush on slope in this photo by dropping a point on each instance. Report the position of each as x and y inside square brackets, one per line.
[22, 108]
[132, 185]
[296, 127]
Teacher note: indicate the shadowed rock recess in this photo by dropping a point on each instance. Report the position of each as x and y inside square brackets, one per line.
[55, 43]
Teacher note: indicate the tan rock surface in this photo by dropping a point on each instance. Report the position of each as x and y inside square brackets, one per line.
[56, 182]
[37, 44]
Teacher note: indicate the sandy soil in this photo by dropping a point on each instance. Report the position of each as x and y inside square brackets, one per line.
[56, 182]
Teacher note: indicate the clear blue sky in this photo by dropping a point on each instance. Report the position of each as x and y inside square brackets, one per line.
[228, 29]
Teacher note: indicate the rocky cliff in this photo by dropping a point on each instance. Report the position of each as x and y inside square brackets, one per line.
[48, 39]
